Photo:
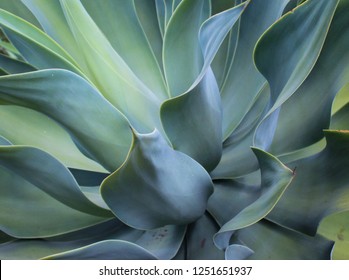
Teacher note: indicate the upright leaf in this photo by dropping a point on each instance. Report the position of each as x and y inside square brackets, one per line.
[295, 43]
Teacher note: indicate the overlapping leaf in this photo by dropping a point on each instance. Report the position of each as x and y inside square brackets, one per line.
[157, 185]
[71, 101]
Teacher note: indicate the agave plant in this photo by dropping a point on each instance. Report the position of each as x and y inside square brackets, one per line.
[169, 129]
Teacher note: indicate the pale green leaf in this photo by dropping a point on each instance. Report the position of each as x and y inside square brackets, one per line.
[109, 72]
[146, 12]
[34, 45]
[118, 21]
[43, 133]
[336, 227]
[182, 54]
[78, 107]
[21, 203]
[48, 174]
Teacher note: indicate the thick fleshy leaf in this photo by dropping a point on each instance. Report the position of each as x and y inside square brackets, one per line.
[17, 8]
[106, 250]
[34, 45]
[13, 66]
[146, 12]
[52, 19]
[27, 249]
[4, 141]
[188, 118]
[157, 186]
[231, 197]
[199, 241]
[164, 242]
[48, 174]
[340, 120]
[118, 21]
[201, 103]
[43, 133]
[272, 242]
[275, 179]
[319, 188]
[51, 92]
[308, 26]
[243, 82]
[109, 72]
[21, 203]
[296, 112]
[237, 157]
[182, 55]
[238, 252]
[336, 227]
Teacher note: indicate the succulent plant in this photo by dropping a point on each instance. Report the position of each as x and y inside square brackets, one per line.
[162, 129]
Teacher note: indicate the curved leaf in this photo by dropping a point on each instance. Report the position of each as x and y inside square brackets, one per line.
[34, 45]
[199, 241]
[296, 112]
[238, 252]
[243, 82]
[13, 66]
[192, 122]
[146, 12]
[275, 179]
[272, 242]
[43, 133]
[182, 55]
[336, 227]
[164, 242]
[50, 92]
[156, 185]
[109, 72]
[27, 249]
[201, 103]
[21, 203]
[48, 174]
[113, 18]
[237, 157]
[308, 26]
[106, 250]
[319, 188]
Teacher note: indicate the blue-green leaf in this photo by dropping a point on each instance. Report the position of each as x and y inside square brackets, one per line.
[106, 250]
[243, 82]
[294, 42]
[319, 187]
[275, 179]
[269, 241]
[192, 122]
[157, 186]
